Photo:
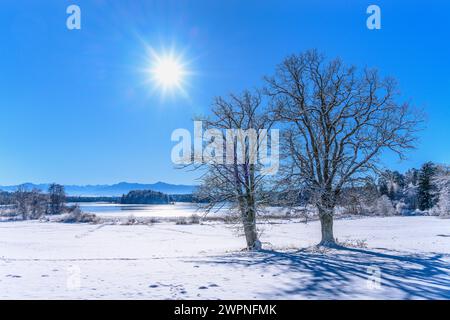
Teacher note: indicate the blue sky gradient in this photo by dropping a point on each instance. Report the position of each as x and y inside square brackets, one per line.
[77, 108]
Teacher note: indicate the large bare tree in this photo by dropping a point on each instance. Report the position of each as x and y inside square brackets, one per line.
[233, 174]
[339, 121]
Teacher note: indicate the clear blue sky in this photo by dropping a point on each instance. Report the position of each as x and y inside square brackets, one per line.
[76, 107]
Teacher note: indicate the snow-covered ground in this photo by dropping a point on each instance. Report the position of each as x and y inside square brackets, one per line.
[168, 261]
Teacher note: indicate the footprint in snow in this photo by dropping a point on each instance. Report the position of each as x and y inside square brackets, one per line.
[177, 290]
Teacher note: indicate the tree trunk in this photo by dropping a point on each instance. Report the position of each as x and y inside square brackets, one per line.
[251, 235]
[326, 222]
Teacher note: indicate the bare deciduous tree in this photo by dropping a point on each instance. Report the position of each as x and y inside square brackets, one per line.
[29, 204]
[340, 121]
[241, 182]
[57, 199]
[21, 202]
[38, 204]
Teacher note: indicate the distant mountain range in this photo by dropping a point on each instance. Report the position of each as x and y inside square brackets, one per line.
[104, 190]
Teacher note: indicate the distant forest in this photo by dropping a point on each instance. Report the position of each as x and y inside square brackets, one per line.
[138, 197]
[145, 197]
[133, 197]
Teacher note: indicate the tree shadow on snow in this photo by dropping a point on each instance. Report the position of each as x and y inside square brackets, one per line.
[342, 273]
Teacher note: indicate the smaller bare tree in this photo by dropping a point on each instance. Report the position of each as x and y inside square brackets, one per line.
[21, 202]
[57, 199]
[38, 204]
[233, 175]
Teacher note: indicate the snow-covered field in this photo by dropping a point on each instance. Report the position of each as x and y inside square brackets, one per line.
[168, 261]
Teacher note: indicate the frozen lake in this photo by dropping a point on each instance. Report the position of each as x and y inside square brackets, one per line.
[140, 210]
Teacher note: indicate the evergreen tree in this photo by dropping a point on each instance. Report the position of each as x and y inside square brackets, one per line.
[426, 188]
[383, 186]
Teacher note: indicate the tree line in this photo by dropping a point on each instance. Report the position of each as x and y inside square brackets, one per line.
[34, 204]
[424, 189]
[135, 197]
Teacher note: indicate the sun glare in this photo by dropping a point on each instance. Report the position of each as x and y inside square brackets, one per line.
[168, 72]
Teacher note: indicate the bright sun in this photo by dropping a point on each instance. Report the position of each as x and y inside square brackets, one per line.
[168, 72]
